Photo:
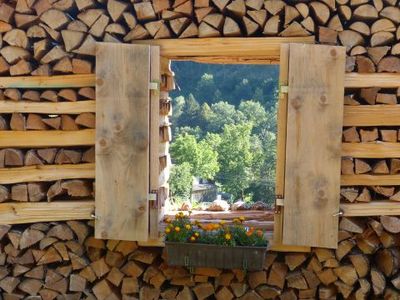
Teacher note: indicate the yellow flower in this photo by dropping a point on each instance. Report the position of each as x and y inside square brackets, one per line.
[222, 222]
[167, 220]
[228, 236]
[197, 234]
[241, 218]
[177, 229]
[167, 230]
[192, 238]
[236, 220]
[187, 226]
[215, 226]
[171, 225]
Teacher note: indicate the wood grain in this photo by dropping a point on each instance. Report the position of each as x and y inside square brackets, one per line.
[19, 213]
[374, 208]
[315, 119]
[371, 150]
[122, 141]
[78, 107]
[39, 82]
[50, 138]
[372, 115]
[155, 76]
[366, 179]
[364, 80]
[224, 47]
[46, 173]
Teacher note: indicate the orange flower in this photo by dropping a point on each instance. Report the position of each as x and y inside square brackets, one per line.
[167, 220]
[259, 233]
[249, 233]
[177, 229]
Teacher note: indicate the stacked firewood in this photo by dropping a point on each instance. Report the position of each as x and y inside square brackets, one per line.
[57, 37]
[47, 191]
[372, 96]
[64, 261]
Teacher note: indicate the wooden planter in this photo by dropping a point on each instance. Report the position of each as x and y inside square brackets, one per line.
[215, 256]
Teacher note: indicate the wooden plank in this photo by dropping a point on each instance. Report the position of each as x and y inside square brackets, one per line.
[49, 138]
[268, 48]
[374, 208]
[371, 115]
[78, 107]
[371, 150]
[41, 82]
[366, 179]
[122, 141]
[155, 207]
[363, 80]
[29, 212]
[312, 174]
[281, 144]
[46, 173]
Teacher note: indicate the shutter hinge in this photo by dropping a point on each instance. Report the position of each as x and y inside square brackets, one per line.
[154, 85]
[284, 89]
[152, 196]
[279, 201]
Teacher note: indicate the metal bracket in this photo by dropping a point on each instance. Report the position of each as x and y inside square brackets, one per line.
[279, 201]
[284, 89]
[154, 85]
[93, 216]
[152, 197]
[339, 213]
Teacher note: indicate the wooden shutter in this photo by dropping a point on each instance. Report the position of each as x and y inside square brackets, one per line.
[126, 138]
[311, 185]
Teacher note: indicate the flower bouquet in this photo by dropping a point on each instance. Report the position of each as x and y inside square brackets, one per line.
[219, 245]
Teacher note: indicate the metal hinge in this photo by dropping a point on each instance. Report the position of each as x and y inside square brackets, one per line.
[284, 89]
[152, 197]
[279, 201]
[154, 85]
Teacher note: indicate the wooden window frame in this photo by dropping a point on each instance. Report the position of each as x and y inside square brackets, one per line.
[210, 50]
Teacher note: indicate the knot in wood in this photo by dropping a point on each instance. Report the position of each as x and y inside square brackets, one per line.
[141, 141]
[99, 81]
[333, 52]
[296, 102]
[323, 100]
[103, 143]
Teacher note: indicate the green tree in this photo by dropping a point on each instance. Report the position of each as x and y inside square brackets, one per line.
[235, 158]
[222, 113]
[202, 158]
[253, 112]
[180, 181]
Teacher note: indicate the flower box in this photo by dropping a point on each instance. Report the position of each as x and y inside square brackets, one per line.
[215, 256]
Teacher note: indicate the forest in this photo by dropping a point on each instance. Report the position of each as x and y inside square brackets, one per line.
[224, 129]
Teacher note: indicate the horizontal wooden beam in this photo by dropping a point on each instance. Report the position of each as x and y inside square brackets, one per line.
[374, 208]
[56, 81]
[366, 179]
[29, 212]
[47, 107]
[219, 48]
[46, 173]
[371, 150]
[371, 115]
[49, 138]
[47, 82]
[363, 80]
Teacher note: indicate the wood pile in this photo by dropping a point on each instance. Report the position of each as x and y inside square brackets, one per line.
[64, 261]
[58, 37]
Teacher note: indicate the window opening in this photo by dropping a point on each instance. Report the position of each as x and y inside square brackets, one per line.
[223, 148]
